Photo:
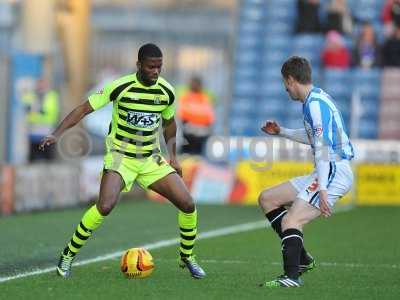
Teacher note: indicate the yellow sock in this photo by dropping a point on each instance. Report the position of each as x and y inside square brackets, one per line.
[188, 230]
[90, 221]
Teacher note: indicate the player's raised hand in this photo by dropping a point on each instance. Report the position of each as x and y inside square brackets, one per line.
[271, 127]
[323, 204]
[47, 141]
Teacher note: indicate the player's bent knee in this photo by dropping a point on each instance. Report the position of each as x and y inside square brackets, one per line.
[266, 201]
[105, 208]
[261, 200]
[188, 206]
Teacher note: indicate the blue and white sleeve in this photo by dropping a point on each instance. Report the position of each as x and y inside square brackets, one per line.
[297, 135]
[321, 117]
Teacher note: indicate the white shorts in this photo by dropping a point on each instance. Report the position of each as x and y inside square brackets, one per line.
[339, 183]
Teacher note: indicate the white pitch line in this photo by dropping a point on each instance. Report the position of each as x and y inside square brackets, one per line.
[160, 244]
[322, 264]
[156, 245]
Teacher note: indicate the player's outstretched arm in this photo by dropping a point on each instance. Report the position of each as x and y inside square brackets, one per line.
[297, 135]
[73, 118]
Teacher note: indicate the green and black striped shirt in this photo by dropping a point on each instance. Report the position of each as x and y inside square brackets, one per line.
[137, 111]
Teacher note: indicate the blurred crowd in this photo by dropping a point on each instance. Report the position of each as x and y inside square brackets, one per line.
[339, 25]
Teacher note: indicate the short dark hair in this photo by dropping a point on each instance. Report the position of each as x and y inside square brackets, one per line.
[149, 50]
[297, 67]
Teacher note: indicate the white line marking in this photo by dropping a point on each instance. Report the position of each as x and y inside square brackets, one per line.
[156, 245]
[275, 263]
[322, 264]
[160, 244]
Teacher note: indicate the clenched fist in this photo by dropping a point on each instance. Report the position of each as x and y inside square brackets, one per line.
[271, 127]
[47, 141]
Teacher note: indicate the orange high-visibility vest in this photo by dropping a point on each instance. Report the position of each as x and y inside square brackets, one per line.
[196, 108]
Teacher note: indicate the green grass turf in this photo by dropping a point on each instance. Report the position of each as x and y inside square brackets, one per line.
[357, 252]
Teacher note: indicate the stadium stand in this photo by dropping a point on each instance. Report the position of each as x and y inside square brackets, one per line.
[275, 21]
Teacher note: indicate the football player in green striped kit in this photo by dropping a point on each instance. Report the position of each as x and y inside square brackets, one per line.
[140, 101]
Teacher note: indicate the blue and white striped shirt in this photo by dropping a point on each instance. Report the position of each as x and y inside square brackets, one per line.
[326, 132]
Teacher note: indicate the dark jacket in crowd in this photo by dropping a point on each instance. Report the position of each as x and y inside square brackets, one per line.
[391, 52]
[307, 17]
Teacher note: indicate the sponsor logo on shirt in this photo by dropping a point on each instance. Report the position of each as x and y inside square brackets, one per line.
[143, 119]
[318, 131]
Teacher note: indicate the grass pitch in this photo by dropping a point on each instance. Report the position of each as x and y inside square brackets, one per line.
[357, 254]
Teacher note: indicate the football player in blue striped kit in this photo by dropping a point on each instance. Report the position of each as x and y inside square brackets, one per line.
[307, 197]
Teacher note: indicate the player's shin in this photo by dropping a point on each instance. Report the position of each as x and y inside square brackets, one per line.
[188, 230]
[292, 243]
[275, 219]
[91, 220]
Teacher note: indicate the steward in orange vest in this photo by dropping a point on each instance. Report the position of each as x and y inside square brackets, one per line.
[196, 112]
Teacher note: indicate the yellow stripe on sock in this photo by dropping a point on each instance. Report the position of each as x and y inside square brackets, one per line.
[92, 218]
[82, 232]
[187, 252]
[187, 242]
[188, 231]
[72, 248]
[187, 220]
[78, 240]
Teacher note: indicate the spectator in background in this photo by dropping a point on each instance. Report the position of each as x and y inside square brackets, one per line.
[197, 115]
[391, 50]
[308, 16]
[335, 54]
[391, 16]
[42, 110]
[339, 17]
[366, 51]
